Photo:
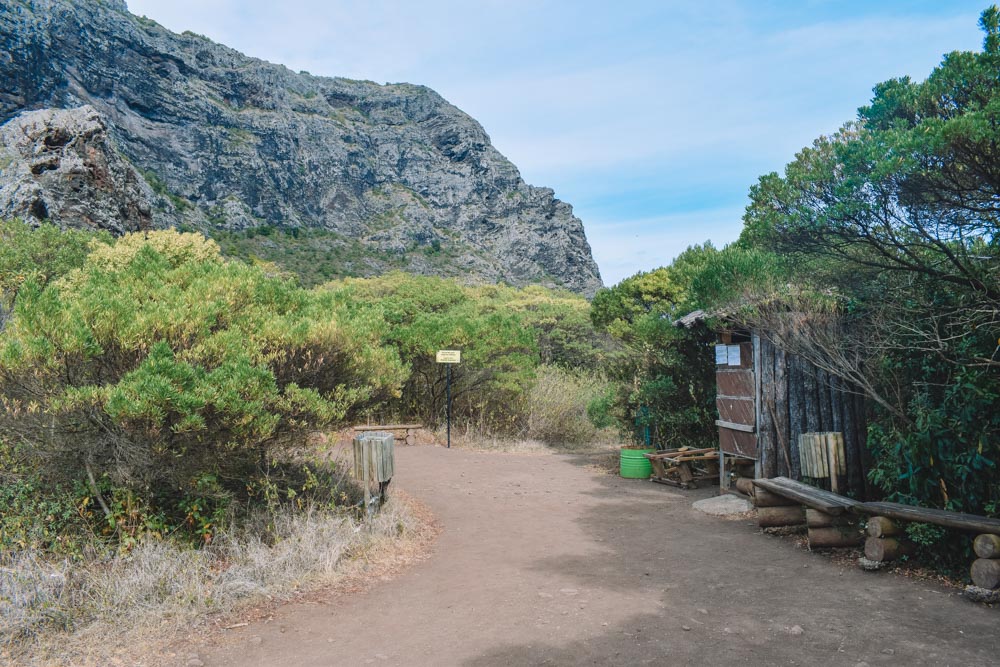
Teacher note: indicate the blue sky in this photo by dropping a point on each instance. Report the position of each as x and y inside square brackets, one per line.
[652, 119]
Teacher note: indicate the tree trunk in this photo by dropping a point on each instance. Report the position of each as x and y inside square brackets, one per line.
[986, 573]
[778, 395]
[987, 546]
[881, 549]
[771, 517]
[796, 413]
[835, 536]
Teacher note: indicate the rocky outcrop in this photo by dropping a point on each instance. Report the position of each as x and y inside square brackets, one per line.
[59, 165]
[168, 129]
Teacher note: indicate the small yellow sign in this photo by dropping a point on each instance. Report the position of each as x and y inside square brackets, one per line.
[449, 356]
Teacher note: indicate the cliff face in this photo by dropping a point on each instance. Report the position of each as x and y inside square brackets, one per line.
[171, 129]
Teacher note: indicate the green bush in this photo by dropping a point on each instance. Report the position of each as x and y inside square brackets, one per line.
[177, 379]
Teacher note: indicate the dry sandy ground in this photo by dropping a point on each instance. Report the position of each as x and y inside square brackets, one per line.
[545, 561]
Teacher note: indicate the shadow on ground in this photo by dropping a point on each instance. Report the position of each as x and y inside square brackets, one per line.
[726, 593]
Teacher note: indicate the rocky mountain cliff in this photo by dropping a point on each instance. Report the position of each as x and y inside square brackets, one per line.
[112, 121]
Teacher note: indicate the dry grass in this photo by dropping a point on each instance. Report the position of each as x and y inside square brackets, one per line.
[472, 440]
[63, 613]
[558, 409]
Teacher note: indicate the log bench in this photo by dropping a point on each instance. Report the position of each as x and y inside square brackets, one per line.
[410, 436]
[827, 515]
[829, 518]
[886, 539]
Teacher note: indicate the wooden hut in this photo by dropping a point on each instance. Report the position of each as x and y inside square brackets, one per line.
[766, 398]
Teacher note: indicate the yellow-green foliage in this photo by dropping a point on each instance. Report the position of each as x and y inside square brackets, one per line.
[503, 333]
[39, 254]
[161, 365]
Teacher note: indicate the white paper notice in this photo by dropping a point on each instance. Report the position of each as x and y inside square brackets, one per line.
[734, 355]
[721, 354]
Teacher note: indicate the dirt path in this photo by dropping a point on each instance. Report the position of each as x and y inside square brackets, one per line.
[544, 561]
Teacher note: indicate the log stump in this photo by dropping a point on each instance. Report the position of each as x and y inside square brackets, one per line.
[818, 519]
[789, 515]
[881, 549]
[987, 546]
[835, 537]
[880, 526]
[745, 486]
[986, 573]
[764, 498]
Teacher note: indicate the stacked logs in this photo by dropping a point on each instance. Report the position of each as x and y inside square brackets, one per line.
[885, 540]
[828, 531]
[774, 511]
[986, 568]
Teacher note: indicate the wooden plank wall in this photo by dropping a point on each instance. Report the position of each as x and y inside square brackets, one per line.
[795, 397]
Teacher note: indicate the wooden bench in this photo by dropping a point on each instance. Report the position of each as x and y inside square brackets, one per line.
[828, 517]
[829, 521]
[971, 523]
[410, 436]
[818, 499]
[887, 540]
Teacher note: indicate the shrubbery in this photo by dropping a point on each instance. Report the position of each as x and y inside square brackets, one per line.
[172, 382]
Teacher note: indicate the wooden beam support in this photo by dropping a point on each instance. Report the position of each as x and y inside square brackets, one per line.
[968, 522]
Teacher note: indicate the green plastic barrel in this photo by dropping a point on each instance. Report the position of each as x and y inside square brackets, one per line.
[635, 465]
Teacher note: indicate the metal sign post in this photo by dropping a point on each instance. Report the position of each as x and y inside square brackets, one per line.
[449, 357]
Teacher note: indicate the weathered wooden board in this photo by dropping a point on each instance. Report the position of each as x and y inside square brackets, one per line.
[738, 443]
[735, 382]
[736, 410]
[969, 522]
[818, 499]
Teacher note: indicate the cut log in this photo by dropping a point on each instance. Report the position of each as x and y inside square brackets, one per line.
[817, 519]
[968, 522]
[835, 536]
[770, 517]
[880, 526]
[987, 546]
[986, 573]
[745, 486]
[880, 549]
[764, 498]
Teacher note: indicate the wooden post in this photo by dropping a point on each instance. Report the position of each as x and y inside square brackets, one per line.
[778, 397]
[832, 454]
[723, 484]
[796, 414]
[758, 404]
